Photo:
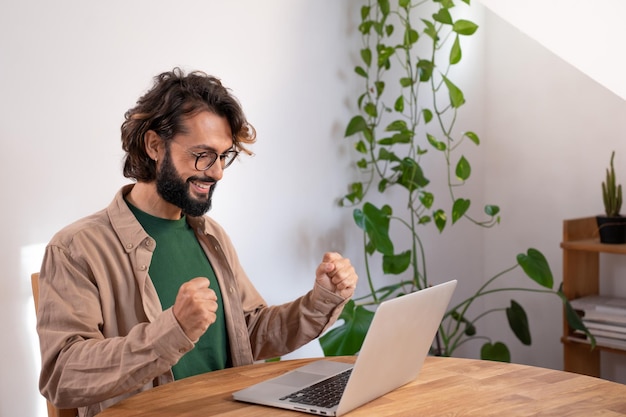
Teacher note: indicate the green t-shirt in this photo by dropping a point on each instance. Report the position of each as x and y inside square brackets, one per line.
[177, 258]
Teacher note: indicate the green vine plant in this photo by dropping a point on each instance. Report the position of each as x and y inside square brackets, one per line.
[406, 113]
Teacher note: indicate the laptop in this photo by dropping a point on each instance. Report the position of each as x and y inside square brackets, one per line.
[393, 352]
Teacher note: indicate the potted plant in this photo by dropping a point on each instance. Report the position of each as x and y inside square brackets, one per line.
[611, 225]
[406, 116]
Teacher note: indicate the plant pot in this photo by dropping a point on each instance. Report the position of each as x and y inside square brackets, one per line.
[612, 229]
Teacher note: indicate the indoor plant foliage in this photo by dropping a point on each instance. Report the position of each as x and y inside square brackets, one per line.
[406, 116]
[612, 226]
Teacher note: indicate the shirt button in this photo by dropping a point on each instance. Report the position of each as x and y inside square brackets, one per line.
[148, 242]
[129, 245]
[143, 267]
[232, 290]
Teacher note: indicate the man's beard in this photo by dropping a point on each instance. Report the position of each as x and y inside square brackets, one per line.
[173, 189]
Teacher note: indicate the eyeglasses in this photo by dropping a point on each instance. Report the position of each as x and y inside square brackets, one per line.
[206, 159]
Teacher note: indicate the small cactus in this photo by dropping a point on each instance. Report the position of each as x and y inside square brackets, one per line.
[611, 193]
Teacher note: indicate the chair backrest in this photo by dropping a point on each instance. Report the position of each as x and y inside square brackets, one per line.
[52, 410]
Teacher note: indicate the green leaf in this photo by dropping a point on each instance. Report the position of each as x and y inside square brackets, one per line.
[411, 174]
[396, 264]
[366, 56]
[396, 126]
[573, 318]
[399, 104]
[361, 147]
[463, 169]
[384, 53]
[440, 219]
[365, 12]
[473, 137]
[464, 27]
[495, 352]
[410, 37]
[459, 208]
[359, 218]
[440, 146]
[443, 16]
[425, 69]
[385, 155]
[380, 88]
[428, 115]
[424, 220]
[357, 124]
[406, 82]
[536, 267]
[455, 51]
[456, 95]
[389, 30]
[375, 222]
[360, 99]
[378, 27]
[356, 192]
[470, 329]
[370, 109]
[427, 199]
[518, 321]
[384, 6]
[382, 185]
[430, 29]
[401, 137]
[492, 210]
[347, 339]
[366, 27]
[361, 72]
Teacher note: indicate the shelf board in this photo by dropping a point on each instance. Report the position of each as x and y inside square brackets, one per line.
[599, 346]
[594, 245]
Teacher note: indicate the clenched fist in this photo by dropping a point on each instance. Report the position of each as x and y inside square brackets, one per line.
[195, 307]
[337, 274]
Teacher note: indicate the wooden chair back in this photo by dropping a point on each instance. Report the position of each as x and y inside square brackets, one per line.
[52, 410]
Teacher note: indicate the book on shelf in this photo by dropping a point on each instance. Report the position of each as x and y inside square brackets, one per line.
[595, 316]
[602, 333]
[619, 328]
[600, 308]
[606, 341]
[610, 342]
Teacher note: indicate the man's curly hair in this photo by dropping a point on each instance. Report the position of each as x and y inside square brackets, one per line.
[174, 97]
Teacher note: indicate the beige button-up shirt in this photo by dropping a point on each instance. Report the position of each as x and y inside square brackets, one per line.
[103, 333]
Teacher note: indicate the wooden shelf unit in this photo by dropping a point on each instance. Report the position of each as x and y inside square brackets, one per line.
[581, 276]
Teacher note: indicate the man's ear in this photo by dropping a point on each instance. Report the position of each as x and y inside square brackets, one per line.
[152, 142]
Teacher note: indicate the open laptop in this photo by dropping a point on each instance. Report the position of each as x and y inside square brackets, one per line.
[392, 354]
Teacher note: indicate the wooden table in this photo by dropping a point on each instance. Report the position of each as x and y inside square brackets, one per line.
[445, 387]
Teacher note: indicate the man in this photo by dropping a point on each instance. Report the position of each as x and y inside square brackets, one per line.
[149, 289]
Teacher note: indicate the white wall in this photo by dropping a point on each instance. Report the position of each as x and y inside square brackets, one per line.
[69, 70]
[550, 130]
[586, 34]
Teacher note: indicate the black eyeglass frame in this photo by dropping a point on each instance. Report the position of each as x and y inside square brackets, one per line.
[224, 158]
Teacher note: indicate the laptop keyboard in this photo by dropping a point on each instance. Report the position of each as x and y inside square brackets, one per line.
[326, 393]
